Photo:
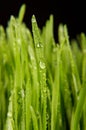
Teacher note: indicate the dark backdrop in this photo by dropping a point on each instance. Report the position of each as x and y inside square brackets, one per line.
[69, 12]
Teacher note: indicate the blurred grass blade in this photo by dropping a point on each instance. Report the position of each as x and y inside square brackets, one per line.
[79, 108]
[22, 12]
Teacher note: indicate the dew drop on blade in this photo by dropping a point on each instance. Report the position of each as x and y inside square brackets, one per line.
[9, 114]
[39, 45]
[22, 93]
[47, 116]
[19, 42]
[42, 65]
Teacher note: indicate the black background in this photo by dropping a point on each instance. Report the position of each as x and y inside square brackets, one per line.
[70, 12]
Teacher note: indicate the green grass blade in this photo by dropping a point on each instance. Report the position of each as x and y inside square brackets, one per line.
[79, 108]
[22, 12]
[55, 110]
[41, 69]
[34, 118]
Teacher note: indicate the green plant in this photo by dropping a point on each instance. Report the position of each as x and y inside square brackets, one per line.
[42, 83]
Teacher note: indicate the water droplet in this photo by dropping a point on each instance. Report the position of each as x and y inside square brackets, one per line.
[10, 99]
[41, 95]
[22, 93]
[42, 65]
[9, 114]
[47, 117]
[38, 115]
[39, 45]
[44, 90]
[19, 42]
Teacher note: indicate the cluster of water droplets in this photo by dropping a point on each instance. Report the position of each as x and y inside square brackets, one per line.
[39, 45]
[47, 120]
[21, 95]
[47, 116]
[9, 114]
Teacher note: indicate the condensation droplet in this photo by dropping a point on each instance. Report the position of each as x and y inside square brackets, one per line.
[42, 65]
[10, 99]
[39, 45]
[47, 117]
[32, 57]
[9, 114]
[22, 93]
[19, 42]
[44, 90]
[41, 95]
[38, 115]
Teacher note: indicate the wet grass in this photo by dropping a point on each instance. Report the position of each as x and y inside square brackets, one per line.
[42, 83]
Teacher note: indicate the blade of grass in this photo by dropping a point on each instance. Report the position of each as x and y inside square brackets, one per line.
[34, 119]
[39, 48]
[22, 12]
[74, 72]
[79, 108]
[55, 110]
